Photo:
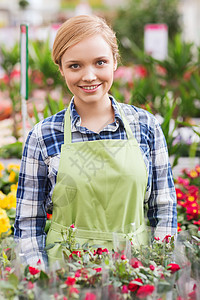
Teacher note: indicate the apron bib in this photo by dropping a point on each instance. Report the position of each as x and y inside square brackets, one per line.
[100, 189]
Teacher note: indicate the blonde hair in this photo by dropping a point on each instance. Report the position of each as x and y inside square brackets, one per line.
[76, 29]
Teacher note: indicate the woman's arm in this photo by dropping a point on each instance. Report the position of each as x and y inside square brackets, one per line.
[162, 212]
[30, 211]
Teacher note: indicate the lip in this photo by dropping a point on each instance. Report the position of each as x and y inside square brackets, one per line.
[84, 88]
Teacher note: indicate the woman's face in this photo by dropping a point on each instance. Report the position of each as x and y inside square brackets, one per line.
[88, 68]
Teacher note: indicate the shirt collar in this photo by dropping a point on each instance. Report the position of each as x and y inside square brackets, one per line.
[76, 119]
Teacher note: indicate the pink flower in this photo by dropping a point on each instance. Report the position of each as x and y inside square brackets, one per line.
[173, 267]
[78, 274]
[145, 291]
[90, 296]
[132, 286]
[30, 285]
[33, 271]
[73, 290]
[183, 181]
[72, 226]
[8, 269]
[152, 268]
[70, 281]
[124, 289]
[115, 255]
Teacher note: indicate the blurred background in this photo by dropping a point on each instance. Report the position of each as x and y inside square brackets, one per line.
[159, 42]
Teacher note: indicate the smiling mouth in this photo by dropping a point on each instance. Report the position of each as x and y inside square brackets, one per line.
[91, 87]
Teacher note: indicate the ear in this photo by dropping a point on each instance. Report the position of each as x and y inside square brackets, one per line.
[61, 70]
[115, 65]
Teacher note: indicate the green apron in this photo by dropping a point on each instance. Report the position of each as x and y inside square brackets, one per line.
[100, 189]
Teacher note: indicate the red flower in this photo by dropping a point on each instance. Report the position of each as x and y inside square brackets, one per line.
[90, 296]
[196, 222]
[197, 168]
[132, 286]
[98, 269]
[193, 189]
[192, 212]
[33, 270]
[166, 238]
[124, 289]
[145, 291]
[78, 273]
[173, 268]
[72, 226]
[49, 216]
[70, 280]
[99, 251]
[179, 194]
[156, 238]
[75, 252]
[139, 71]
[39, 262]
[105, 250]
[123, 257]
[152, 268]
[193, 174]
[135, 263]
[191, 198]
[179, 227]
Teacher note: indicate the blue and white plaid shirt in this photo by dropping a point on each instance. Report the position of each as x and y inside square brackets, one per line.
[39, 166]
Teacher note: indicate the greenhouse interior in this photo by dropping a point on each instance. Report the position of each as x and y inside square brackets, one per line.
[125, 75]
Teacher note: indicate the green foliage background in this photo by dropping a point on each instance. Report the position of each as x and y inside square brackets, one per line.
[129, 22]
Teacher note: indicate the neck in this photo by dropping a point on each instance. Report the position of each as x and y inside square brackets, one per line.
[93, 109]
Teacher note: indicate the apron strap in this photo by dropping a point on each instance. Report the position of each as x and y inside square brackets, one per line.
[68, 135]
[67, 126]
[96, 235]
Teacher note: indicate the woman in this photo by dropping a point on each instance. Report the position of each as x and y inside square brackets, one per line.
[95, 163]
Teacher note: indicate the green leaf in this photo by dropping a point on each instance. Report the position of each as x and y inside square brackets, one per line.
[11, 213]
[13, 279]
[49, 246]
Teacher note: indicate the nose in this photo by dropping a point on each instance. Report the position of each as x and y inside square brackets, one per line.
[89, 75]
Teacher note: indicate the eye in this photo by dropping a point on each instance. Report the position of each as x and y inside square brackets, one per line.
[74, 66]
[101, 62]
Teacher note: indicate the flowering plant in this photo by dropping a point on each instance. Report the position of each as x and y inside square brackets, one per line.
[8, 188]
[188, 200]
[92, 274]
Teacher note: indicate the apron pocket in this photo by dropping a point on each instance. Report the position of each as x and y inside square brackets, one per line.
[66, 196]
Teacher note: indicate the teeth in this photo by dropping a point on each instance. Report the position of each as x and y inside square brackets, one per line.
[90, 87]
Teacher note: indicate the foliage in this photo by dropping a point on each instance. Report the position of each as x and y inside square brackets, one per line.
[129, 22]
[188, 200]
[11, 150]
[93, 272]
